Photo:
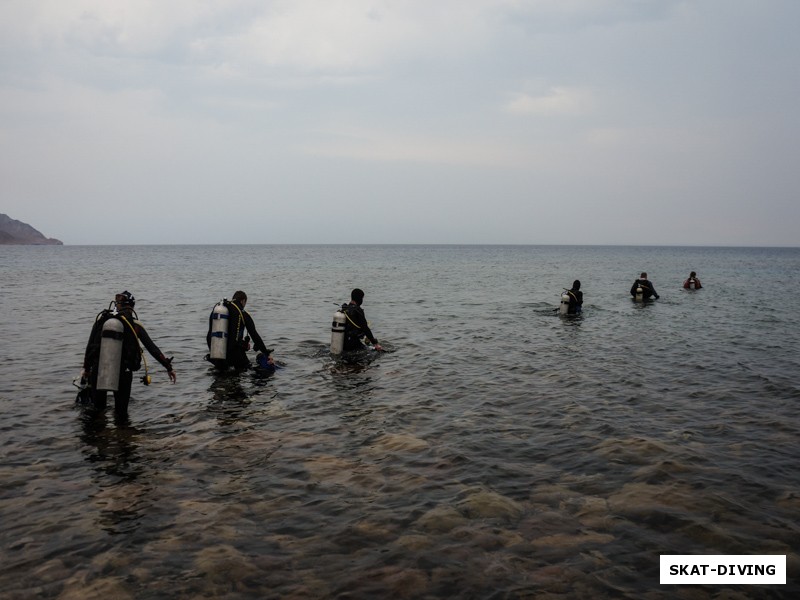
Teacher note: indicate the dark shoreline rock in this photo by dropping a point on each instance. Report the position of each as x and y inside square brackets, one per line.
[13, 232]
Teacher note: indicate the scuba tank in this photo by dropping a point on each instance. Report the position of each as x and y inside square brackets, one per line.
[219, 331]
[337, 332]
[110, 361]
[564, 306]
[639, 297]
[692, 284]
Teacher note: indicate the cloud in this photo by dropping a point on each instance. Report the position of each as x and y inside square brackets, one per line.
[301, 34]
[345, 36]
[557, 101]
[397, 146]
[121, 27]
[553, 15]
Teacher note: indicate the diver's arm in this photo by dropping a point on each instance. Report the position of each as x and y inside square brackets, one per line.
[154, 351]
[367, 331]
[258, 343]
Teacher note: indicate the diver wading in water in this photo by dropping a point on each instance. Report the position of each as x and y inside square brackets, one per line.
[356, 327]
[642, 289]
[113, 353]
[692, 282]
[226, 341]
[575, 295]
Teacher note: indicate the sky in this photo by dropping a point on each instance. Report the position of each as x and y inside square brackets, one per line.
[663, 122]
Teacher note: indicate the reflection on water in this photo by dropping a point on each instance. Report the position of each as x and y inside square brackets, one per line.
[120, 473]
[235, 396]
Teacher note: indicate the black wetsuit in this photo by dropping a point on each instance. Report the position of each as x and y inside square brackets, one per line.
[647, 289]
[575, 301]
[236, 354]
[355, 328]
[131, 356]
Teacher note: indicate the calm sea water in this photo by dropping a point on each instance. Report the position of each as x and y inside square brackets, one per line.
[495, 451]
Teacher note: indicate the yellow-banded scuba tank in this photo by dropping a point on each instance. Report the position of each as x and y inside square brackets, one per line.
[110, 360]
[219, 331]
[337, 332]
[639, 297]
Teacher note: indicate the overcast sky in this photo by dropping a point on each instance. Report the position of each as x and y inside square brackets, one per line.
[418, 121]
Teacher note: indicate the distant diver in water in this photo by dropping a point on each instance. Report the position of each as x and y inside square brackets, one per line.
[113, 353]
[642, 289]
[226, 340]
[575, 299]
[356, 327]
[692, 283]
[571, 300]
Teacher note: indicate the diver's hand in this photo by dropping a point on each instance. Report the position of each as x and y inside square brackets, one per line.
[172, 375]
[378, 348]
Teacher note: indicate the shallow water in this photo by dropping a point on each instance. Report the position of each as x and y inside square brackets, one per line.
[495, 451]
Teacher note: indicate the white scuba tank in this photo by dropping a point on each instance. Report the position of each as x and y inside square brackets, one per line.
[219, 331]
[110, 361]
[692, 284]
[337, 332]
[564, 307]
[639, 297]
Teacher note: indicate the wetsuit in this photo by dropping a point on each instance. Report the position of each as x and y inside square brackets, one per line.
[356, 327]
[236, 354]
[575, 301]
[131, 356]
[647, 289]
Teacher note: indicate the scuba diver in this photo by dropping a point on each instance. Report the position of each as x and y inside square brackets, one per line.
[356, 326]
[226, 341]
[693, 283]
[113, 353]
[642, 289]
[575, 299]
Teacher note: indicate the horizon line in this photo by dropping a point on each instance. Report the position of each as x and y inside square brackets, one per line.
[387, 244]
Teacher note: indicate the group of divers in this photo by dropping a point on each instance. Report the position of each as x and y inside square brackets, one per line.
[114, 350]
[642, 290]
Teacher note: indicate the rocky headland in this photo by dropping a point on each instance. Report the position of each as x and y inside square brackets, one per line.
[19, 233]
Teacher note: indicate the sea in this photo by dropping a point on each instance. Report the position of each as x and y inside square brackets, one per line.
[494, 450]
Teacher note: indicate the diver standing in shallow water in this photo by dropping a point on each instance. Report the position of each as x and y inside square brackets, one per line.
[575, 299]
[233, 343]
[356, 326]
[113, 353]
[647, 289]
[692, 283]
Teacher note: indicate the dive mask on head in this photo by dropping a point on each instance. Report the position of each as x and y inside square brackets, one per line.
[125, 299]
